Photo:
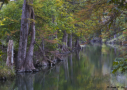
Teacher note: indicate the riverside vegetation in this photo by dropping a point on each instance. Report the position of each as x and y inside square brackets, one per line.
[45, 30]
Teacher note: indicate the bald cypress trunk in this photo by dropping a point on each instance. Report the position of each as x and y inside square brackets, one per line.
[29, 57]
[77, 45]
[25, 62]
[10, 58]
[65, 40]
[23, 35]
[70, 41]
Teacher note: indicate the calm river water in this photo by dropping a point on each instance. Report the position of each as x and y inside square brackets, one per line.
[89, 69]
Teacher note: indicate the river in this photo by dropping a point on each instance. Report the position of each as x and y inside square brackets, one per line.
[89, 69]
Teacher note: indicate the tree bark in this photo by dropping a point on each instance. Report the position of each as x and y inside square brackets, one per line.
[43, 46]
[25, 63]
[23, 35]
[10, 58]
[77, 45]
[65, 39]
[70, 41]
[29, 58]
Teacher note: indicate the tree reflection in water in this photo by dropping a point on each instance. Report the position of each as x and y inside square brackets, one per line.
[25, 81]
[88, 70]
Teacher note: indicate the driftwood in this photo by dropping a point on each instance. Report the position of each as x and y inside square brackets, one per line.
[56, 56]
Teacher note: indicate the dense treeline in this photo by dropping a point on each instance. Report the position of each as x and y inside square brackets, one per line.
[57, 26]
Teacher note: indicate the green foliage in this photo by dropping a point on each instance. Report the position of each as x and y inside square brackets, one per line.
[53, 17]
[10, 17]
[120, 3]
[50, 46]
[5, 71]
[4, 1]
[120, 64]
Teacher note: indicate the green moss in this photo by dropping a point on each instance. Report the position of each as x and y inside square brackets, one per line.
[6, 71]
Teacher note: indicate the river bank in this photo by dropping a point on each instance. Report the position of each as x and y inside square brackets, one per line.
[50, 59]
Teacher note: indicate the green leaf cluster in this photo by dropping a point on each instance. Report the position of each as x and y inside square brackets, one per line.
[119, 64]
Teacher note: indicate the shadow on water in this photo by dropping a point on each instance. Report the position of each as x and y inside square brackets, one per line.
[24, 81]
[88, 69]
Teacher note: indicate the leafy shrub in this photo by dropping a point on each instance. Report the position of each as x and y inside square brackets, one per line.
[6, 71]
[120, 64]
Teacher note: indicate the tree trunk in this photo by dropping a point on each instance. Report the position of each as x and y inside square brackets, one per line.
[70, 41]
[77, 45]
[25, 63]
[10, 58]
[29, 58]
[65, 38]
[43, 46]
[23, 38]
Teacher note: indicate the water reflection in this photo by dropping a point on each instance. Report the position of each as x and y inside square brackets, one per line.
[66, 70]
[89, 69]
[71, 67]
[25, 81]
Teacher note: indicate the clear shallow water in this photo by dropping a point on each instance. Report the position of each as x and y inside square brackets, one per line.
[89, 69]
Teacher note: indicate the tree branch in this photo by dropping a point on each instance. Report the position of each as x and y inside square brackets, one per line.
[118, 32]
[40, 49]
[1, 5]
